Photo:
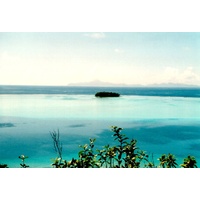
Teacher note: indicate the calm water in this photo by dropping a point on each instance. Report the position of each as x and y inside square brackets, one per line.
[162, 120]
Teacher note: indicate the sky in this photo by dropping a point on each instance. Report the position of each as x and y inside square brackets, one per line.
[61, 58]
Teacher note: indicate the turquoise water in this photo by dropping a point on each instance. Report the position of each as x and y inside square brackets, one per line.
[161, 124]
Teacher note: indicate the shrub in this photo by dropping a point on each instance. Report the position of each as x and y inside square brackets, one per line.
[189, 162]
[3, 166]
[124, 154]
[23, 157]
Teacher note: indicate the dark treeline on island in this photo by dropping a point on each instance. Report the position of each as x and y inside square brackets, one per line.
[107, 94]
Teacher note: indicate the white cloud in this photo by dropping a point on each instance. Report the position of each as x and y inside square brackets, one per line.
[189, 75]
[186, 76]
[96, 35]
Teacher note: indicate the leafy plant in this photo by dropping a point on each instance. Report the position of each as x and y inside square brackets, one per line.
[168, 161]
[23, 157]
[150, 164]
[87, 156]
[3, 166]
[163, 161]
[189, 162]
[171, 161]
[128, 155]
[124, 154]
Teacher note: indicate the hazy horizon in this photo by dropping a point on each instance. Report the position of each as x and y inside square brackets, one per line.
[98, 83]
[127, 58]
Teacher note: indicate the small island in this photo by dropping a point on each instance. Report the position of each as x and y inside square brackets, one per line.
[107, 94]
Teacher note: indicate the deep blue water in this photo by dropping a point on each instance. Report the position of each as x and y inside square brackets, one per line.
[141, 91]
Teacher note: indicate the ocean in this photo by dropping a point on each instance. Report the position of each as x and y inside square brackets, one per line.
[162, 120]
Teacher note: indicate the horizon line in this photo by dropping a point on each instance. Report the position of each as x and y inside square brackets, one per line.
[163, 85]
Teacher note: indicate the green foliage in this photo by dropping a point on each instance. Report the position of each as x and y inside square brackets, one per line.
[3, 166]
[124, 154]
[168, 161]
[189, 162]
[23, 165]
[87, 158]
[127, 154]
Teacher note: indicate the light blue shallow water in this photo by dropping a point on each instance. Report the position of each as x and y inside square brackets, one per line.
[160, 124]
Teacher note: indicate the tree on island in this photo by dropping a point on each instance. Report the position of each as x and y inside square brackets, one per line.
[107, 94]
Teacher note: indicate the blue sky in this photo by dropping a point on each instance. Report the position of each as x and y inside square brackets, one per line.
[116, 57]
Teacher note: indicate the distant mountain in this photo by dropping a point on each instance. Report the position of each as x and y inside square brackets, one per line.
[98, 83]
